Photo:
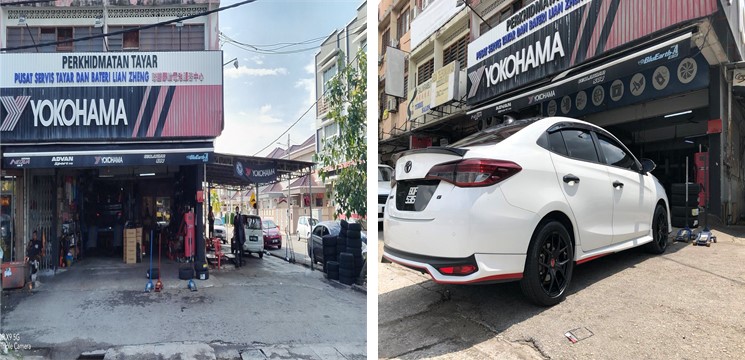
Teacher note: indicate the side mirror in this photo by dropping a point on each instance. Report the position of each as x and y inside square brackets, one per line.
[647, 166]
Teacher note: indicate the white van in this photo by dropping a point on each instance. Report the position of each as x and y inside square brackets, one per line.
[385, 173]
[254, 236]
[304, 225]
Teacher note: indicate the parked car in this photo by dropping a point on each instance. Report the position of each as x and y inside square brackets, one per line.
[304, 225]
[523, 200]
[220, 231]
[254, 235]
[272, 236]
[385, 173]
[327, 228]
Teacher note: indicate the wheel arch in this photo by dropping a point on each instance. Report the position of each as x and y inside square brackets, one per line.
[564, 219]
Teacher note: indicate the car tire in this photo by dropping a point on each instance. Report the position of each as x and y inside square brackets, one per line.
[345, 280]
[680, 189]
[186, 273]
[346, 260]
[279, 246]
[261, 255]
[552, 243]
[660, 232]
[681, 211]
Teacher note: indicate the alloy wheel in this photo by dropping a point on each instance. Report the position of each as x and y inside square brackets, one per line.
[553, 263]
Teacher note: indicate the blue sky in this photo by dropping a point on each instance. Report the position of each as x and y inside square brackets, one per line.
[267, 93]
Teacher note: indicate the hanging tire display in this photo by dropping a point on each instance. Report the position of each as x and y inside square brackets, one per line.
[680, 189]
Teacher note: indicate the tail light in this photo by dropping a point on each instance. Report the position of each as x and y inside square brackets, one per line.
[458, 270]
[473, 172]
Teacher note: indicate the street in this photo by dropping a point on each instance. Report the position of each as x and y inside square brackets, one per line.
[684, 304]
[268, 306]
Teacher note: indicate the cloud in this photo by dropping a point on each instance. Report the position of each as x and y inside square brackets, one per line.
[309, 86]
[265, 109]
[234, 73]
[311, 67]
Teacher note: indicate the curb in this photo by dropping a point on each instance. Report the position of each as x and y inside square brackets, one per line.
[354, 287]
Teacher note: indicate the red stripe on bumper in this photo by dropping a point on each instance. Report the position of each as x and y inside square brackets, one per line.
[501, 277]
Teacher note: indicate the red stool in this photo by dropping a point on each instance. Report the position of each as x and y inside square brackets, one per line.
[218, 250]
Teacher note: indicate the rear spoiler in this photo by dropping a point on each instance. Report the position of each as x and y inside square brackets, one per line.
[434, 150]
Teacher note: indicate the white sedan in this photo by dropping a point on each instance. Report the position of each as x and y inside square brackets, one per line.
[523, 200]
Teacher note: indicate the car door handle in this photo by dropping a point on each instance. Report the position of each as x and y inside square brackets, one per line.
[617, 184]
[569, 178]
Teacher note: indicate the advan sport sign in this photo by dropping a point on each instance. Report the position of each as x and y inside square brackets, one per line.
[105, 96]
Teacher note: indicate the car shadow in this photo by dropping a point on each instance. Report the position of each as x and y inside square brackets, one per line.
[467, 315]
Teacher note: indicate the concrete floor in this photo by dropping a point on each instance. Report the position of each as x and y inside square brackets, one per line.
[684, 304]
[99, 303]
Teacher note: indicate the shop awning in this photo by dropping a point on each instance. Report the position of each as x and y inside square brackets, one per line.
[239, 170]
[106, 155]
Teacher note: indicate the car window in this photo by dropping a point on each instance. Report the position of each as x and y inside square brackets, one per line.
[253, 223]
[556, 143]
[384, 174]
[302, 221]
[325, 231]
[268, 224]
[313, 222]
[318, 231]
[218, 222]
[615, 155]
[579, 144]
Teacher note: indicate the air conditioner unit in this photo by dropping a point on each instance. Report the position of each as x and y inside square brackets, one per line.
[394, 43]
[392, 105]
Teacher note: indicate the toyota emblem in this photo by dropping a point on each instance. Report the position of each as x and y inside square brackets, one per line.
[407, 167]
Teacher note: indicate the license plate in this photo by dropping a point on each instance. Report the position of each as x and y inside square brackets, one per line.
[411, 196]
[253, 238]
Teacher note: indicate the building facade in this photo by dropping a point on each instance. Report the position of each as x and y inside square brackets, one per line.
[101, 132]
[661, 75]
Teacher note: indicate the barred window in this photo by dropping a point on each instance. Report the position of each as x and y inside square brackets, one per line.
[456, 51]
[386, 38]
[406, 86]
[425, 71]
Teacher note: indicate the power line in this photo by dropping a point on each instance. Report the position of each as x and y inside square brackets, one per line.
[306, 111]
[256, 49]
[137, 28]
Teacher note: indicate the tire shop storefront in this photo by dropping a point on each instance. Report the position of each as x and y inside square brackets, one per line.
[95, 143]
[656, 74]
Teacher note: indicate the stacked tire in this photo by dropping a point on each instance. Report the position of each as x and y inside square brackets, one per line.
[682, 207]
[341, 241]
[354, 246]
[332, 270]
[329, 250]
[346, 268]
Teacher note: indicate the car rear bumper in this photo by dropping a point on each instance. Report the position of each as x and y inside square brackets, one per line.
[492, 268]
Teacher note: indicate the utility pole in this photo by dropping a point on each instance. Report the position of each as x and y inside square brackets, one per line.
[289, 251]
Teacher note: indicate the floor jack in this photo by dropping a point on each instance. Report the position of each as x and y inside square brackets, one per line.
[159, 284]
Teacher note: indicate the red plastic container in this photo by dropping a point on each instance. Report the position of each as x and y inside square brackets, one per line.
[14, 274]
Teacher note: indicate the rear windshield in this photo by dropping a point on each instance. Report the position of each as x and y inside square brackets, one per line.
[253, 223]
[384, 173]
[494, 134]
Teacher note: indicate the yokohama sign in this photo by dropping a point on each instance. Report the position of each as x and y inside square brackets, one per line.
[49, 97]
[547, 37]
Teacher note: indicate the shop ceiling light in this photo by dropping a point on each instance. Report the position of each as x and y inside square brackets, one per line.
[147, 174]
[677, 114]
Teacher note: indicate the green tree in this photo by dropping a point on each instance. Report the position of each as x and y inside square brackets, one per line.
[344, 158]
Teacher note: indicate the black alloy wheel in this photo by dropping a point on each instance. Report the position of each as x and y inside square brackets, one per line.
[660, 232]
[549, 265]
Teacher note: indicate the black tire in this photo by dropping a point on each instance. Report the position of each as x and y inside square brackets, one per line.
[550, 256]
[681, 211]
[353, 234]
[345, 280]
[186, 273]
[355, 226]
[680, 200]
[333, 275]
[328, 240]
[346, 260]
[680, 222]
[279, 246]
[354, 243]
[332, 266]
[347, 273]
[680, 189]
[261, 255]
[344, 224]
[660, 232]
[327, 251]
